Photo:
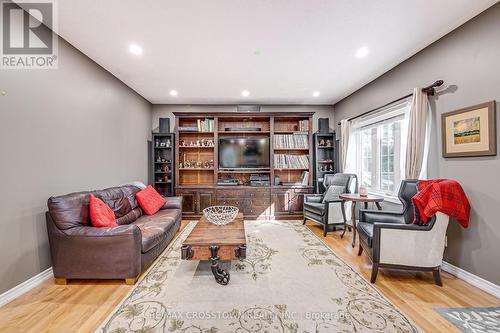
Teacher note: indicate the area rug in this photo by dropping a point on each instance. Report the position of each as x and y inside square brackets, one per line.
[473, 320]
[290, 282]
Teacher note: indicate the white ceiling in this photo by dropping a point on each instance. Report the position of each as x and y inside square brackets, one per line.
[279, 50]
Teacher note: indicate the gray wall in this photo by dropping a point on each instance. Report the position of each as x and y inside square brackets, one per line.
[71, 129]
[467, 60]
[164, 111]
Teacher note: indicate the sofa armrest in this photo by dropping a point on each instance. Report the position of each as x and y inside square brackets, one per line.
[374, 216]
[173, 203]
[317, 198]
[95, 253]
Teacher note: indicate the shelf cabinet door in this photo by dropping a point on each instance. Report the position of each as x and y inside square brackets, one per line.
[189, 201]
[205, 199]
[297, 202]
[281, 201]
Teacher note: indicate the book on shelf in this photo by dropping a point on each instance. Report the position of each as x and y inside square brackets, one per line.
[291, 141]
[304, 179]
[206, 125]
[286, 161]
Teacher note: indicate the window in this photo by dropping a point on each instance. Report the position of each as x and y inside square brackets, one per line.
[379, 149]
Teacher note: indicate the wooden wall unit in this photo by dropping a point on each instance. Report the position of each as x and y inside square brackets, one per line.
[198, 185]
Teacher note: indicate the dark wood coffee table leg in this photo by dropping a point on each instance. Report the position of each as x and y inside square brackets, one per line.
[220, 275]
[353, 213]
[378, 205]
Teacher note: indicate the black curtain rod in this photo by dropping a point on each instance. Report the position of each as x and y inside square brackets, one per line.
[429, 90]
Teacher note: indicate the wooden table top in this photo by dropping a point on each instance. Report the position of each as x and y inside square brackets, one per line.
[207, 234]
[358, 198]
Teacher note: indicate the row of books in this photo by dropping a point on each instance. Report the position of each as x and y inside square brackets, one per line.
[206, 125]
[292, 141]
[285, 161]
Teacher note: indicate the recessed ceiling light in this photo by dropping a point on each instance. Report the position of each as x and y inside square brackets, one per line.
[362, 52]
[245, 93]
[173, 92]
[316, 93]
[135, 49]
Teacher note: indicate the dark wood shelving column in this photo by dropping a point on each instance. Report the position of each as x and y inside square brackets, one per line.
[163, 164]
[325, 158]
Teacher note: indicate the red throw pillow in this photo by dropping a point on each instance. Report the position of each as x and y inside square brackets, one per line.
[100, 214]
[150, 200]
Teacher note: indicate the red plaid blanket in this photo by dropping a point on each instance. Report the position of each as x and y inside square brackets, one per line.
[441, 195]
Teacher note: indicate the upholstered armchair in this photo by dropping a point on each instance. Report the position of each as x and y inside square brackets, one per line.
[327, 209]
[392, 241]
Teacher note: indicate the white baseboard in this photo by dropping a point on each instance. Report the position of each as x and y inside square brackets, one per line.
[472, 279]
[26, 286]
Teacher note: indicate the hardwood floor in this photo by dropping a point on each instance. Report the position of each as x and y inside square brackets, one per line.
[80, 306]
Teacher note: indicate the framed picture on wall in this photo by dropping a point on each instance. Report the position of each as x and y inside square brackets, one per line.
[470, 131]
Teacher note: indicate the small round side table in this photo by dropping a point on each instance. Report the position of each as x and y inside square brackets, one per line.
[355, 197]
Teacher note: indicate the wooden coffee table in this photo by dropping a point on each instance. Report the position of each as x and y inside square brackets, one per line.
[208, 241]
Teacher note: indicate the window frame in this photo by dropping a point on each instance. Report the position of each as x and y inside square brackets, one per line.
[401, 110]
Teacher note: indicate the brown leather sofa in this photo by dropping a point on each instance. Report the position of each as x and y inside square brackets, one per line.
[81, 251]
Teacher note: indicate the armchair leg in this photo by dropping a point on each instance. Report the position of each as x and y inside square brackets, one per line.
[325, 229]
[437, 277]
[374, 272]
[360, 250]
[304, 222]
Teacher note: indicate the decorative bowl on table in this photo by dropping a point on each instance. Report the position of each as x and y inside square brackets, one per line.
[220, 215]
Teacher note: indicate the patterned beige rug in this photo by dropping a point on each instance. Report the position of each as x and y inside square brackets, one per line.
[291, 282]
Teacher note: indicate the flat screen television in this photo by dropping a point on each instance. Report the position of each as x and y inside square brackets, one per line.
[244, 153]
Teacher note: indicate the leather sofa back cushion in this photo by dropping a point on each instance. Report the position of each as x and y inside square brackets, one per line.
[100, 213]
[115, 199]
[70, 210]
[129, 191]
[132, 216]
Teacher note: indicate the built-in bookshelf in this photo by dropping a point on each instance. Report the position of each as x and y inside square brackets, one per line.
[292, 150]
[163, 165]
[197, 146]
[289, 175]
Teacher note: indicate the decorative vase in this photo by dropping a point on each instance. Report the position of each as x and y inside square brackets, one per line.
[363, 192]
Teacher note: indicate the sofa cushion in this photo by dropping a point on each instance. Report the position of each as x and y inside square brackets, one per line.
[315, 207]
[130, 191]
[70, 210]
[154, 228]
[365, 231]
[100, 214]
[133, 215]
[150, 200]
[115, 199]
[332, 192]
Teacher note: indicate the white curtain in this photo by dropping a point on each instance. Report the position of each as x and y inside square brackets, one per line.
[417, 145]
[345, 132]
